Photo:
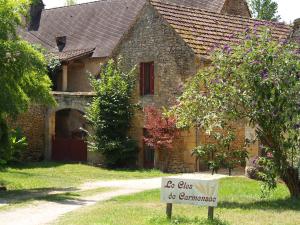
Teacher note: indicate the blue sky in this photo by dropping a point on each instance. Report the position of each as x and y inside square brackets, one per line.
[288, 9]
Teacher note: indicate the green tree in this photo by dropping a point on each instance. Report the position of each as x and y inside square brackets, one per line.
[23, 68]
[264, 9]
[257, 81]
[70, 2]
[110, 115]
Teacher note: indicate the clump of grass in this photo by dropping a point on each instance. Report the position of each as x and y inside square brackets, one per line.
[183, 220]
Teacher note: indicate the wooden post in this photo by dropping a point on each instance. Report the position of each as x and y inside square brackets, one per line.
[169, 210]
[65, 78]
[210, 213]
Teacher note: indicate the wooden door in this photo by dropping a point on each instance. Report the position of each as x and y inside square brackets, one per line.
[69, 150]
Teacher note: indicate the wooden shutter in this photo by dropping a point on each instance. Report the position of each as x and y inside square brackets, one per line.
[142, 78]
[152, 78]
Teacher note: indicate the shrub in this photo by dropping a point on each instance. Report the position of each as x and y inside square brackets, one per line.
[12, 144]
[221, 153]
[110, 114]
[161, 133]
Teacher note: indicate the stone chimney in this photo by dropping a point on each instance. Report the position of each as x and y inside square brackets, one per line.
[35, 14]
[296, 31]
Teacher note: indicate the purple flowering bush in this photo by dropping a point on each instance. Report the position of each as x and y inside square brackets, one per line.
[255, 80]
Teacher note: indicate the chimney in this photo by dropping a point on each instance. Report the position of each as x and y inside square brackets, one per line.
[35, 13]
[296, 31]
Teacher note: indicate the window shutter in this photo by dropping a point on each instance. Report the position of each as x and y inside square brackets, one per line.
[152, 78]
[142, 78]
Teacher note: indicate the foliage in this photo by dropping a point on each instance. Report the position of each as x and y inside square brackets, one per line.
[265, 9]
[13, 149]
[23, 70]
[256, 80]
[110, 115]
[161, 132]
[70, 2]
[221, 153]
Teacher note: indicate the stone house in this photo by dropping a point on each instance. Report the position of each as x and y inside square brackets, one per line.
[168, 41]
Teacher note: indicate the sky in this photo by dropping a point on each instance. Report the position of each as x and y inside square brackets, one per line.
[288, 9]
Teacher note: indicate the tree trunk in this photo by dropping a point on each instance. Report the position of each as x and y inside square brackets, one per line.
[291, 179]
[229, 171]
[166, 161]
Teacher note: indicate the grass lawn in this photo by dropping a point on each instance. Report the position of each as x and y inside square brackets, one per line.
[58, 175]
[239, 204]
[48, 176]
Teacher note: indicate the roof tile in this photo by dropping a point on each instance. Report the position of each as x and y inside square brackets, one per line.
[203, 30]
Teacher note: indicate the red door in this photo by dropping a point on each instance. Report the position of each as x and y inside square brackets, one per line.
[67, 149]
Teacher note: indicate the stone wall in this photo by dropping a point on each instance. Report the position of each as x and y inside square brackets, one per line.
[32, 124]
[296, 31]
[65, 100]
[79, 72]
[236, 7]
[152, 39]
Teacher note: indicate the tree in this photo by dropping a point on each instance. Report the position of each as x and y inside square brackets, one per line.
[264, 10]
[161, 133]
[221, 153]
[110, 114]
[70, 2]
[23, 69]
[256, 80]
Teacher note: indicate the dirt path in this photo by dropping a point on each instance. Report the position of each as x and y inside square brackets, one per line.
[45, 212]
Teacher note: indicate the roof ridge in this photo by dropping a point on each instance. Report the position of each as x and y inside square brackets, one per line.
[172, 3]
[181, 6]
[79, 4]
[216, 13]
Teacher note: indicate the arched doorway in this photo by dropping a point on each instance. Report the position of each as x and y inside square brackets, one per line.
[69, 140]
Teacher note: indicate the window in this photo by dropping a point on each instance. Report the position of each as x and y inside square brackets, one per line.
[147, 78]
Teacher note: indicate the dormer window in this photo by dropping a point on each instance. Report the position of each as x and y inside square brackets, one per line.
[61, 42]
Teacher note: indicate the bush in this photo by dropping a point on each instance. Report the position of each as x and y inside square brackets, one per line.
[221, 154]
[110, 115]
[12, 144]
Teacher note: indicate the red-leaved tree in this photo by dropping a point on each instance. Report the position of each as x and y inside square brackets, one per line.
[161, 133]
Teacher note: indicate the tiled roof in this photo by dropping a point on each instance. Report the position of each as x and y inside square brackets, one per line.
[98, 25]
[209, 5]
[73, 54]
[204, 30]
[101, 24]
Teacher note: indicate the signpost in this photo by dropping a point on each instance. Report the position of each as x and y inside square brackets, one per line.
[190, 189]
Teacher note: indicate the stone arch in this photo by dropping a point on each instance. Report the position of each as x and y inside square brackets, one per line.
[67, 135]
[66, 101]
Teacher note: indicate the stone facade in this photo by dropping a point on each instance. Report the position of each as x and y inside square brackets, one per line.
[236, 7]
[296, 32]
[32, 124]
[152, 39]
[77, 101]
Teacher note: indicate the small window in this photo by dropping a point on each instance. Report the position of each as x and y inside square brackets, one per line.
[61, 42]
[147, 78]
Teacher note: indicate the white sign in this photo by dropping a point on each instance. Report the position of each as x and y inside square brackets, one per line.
[190, 190]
